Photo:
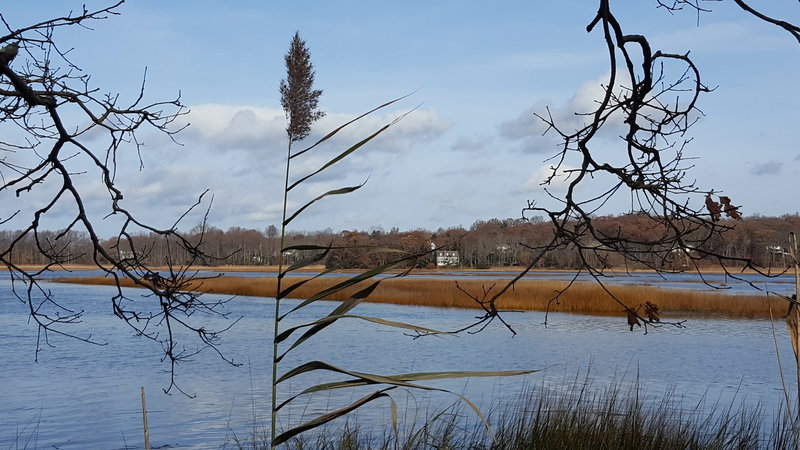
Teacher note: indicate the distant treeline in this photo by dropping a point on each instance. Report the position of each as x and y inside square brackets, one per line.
[492, 243]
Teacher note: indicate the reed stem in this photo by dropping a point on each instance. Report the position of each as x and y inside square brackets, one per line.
[144, 422]
[274, 402]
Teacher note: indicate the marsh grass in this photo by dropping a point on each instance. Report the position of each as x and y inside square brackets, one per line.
[28, 436]
[528, 295]
[574, 415]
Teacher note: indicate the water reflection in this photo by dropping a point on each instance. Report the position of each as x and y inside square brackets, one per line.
[87, 396]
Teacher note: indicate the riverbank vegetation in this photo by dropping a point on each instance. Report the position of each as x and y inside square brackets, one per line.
[576, 415]
[527, 295]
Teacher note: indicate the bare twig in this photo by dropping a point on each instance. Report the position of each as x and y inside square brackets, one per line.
[53, 121]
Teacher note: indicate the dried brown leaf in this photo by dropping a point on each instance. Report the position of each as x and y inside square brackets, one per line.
[633, 320]
[652, 311]
[730, 210]
[713, 208]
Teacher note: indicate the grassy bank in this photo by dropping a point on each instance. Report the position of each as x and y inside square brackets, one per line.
[576, 415]
[528, 295]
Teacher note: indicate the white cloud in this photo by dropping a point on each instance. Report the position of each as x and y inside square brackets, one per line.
[568, 117]
[558, 180]
[235, 126]
[237, 152]
[245, 127]
[767, 168]
[526, 124]
[250, 142]
[471, 144]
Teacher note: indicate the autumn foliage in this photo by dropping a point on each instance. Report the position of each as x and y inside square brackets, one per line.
[485, 244]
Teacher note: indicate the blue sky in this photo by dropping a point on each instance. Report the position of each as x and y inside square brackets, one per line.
[471, 151]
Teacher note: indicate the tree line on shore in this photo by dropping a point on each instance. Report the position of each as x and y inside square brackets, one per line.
[490, 243]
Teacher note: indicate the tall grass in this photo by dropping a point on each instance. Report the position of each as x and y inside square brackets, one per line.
[528, 295]
[575, 415]
[299, 103]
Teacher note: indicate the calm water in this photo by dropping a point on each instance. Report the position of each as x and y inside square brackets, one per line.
[86, 396]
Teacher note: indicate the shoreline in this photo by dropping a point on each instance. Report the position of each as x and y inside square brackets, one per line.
[584, 297]
[318, 268]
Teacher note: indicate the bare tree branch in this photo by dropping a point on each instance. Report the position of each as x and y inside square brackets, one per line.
[54, 123]
[652, 96]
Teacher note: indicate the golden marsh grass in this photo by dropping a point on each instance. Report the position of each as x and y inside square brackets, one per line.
[528, 295]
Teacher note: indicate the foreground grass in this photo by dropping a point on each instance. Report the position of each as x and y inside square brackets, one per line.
[527, 295]
[575, 418]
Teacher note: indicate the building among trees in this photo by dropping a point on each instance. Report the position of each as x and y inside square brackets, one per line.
[447, 258]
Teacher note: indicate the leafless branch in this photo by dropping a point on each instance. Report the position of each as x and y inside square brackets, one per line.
[652, 96]
[54, 122]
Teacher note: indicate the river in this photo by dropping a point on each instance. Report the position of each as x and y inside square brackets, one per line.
[81, 396]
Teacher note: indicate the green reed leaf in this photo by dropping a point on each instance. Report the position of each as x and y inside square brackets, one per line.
[402, 380]
[331, 318]
[415, 376]
[343, 307]
[341, 127]
[339, 312]
[344, 190]
[350, 282]
[325, 418]
[393, 406]
[328, 320]
[313, 259]
[350, 150]
[285, 292]
[363, 378]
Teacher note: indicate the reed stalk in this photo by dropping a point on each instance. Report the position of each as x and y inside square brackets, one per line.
[299, 103]
[144, 422]
[276, 323]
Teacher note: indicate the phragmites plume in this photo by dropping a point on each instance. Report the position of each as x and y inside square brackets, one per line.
[298, 99]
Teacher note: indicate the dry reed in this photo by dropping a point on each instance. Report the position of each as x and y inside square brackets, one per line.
[529, 295]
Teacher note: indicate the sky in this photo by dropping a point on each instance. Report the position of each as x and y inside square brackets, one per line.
[476, 71]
